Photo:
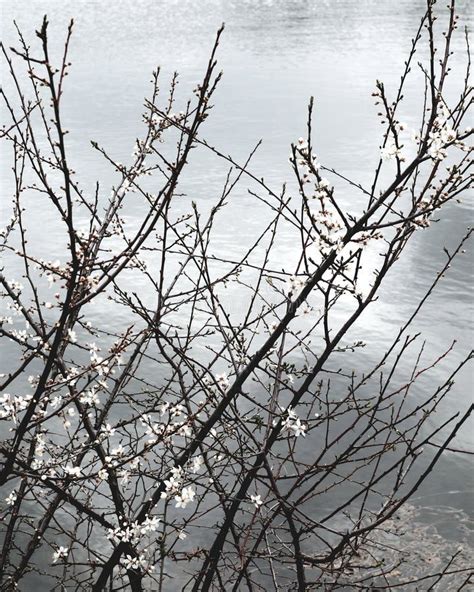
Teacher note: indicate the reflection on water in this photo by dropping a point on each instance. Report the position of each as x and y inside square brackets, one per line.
[274, 54]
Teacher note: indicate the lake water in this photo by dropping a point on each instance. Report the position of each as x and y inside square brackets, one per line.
[274, 55]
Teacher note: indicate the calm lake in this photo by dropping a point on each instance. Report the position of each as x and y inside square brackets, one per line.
[275, 55]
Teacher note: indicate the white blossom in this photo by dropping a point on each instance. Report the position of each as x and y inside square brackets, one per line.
[72, 335]
[295, 284]
[11, 499]
[118, 451]
[256, 500]
[186, 496]
[293, 423]
[73, 472]
[390, 151]
[198, 461]
[90, 397]
[222, 380]
[138, 563]
[61, 553]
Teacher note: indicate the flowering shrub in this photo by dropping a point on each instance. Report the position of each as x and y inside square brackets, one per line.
[185, 444]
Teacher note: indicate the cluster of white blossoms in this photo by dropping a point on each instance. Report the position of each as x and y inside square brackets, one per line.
[295, 284]
[51, 270]
[70, 414]
[15, 287]
[391, 150]
[174, 486]
[11, 405]
[325, 218]
[133, 532]
[11, 498]
[115, 453]
[21, 335]
[441, 135]
[138, 563]
[162, 123]
[73, 472]
[5, 231]
[168, 426]
[153, 430]
[90, 397]
[110, 461]
[302, 149]
[185, 497]
[55, 402]
[4, 320]
[100, 365]
[322, 188]
[292, 423]
[40, 445]
[141, 148]
[107, 431]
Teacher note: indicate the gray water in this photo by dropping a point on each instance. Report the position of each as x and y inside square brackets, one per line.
[274, 55]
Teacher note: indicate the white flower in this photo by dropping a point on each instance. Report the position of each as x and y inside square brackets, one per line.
[177, 472]
[198, 461]
[176, 410]
[150, 524]
[222, 380]
[389, 151]
[298, 428]
[186, 496]
[185, 430]
[118, 451]
[256, 500]
[12, 404]
[324, 184]
[173, 483]
[135, 463]
[448, 135]
[302, 144]
[15, 286]
[108, 430]
[73, 472]
[293, 423]
[33, 380]
[11, 499]
[274, 326]
[130, 562]
[90, 397]
[164, 408]
[61, 553]
[436, 150]
[295, 284]
[72, 336]
[124, 477]
[55, 402]
[40, 445]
